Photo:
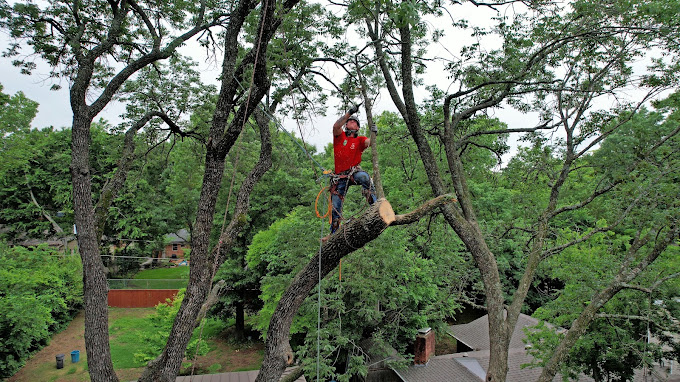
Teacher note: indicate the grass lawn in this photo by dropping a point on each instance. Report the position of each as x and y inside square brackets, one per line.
[158, 278]
[181, 272]
[128, 330]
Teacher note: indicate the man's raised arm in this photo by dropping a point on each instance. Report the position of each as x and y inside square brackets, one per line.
[337, 126]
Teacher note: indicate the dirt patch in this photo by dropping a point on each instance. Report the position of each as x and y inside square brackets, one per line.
[226, 358]
[43, 363]
[64, 342]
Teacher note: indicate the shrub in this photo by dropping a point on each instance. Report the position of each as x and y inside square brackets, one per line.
[162, 322]
[40, 291]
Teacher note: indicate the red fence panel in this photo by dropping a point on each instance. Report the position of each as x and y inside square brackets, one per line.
[139, 298]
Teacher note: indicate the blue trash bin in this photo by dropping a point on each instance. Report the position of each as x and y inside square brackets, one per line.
[75, 356]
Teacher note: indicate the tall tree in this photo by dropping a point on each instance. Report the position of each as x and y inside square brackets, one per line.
[98, 46]
[558, 62]
[649, 227]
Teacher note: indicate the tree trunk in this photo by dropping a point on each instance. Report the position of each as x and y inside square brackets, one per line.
[344, 241]
[166, 367]
[95, 289]
[368, 106]
[240, 325]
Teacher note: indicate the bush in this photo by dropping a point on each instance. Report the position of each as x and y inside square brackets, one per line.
[40, 292]
[162, 322]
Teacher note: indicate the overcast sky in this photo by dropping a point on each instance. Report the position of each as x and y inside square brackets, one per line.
[54, 109]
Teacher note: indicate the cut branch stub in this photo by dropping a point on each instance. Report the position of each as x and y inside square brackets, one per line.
[357, 232]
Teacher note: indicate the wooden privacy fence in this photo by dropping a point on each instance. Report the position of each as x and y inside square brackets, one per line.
[139, 298]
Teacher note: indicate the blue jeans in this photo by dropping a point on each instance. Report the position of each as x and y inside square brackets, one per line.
[359, 178]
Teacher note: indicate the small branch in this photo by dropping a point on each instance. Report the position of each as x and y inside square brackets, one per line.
[652, 287]
[294, 375]
[147, 22]
[47, 216]
[544, 126]
[212, 298]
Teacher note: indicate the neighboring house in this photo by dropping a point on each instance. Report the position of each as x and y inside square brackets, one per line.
[67, 244]
[175, 245]
[470, 362]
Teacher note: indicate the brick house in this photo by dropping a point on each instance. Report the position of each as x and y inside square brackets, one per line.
[177, 244]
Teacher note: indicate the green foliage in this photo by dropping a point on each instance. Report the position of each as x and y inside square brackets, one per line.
[16, 114]
[40, 292]
[387, 307]
[289, 183]
[160, 323]
[38, 163]
[618, 341]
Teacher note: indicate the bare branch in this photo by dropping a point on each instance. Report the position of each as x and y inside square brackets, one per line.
[47, 216]
[423, 210]
[148, 23]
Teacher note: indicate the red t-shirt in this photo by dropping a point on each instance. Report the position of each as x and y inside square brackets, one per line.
[347, 151]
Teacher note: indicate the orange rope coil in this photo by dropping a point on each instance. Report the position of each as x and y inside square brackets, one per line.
[316, 206]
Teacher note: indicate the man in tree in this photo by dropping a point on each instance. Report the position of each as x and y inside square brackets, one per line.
[347, 149]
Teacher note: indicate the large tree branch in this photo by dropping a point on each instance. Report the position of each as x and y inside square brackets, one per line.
[149, 26]
[350, 237]
[625, 275]
[155, 54]
[423, 210]
[239, 219]
[382, 62]
[117, 182]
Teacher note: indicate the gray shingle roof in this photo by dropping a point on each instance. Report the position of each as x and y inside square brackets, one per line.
[240, 376]
[180, 236]
[516, 358]
[471, 366]
[438, 370]
[476, 333]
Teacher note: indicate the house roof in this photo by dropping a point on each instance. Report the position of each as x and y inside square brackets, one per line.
[52, 241]
[181, 236]
[472, 367]
[240, 376]
[475, 334]
[439, 369]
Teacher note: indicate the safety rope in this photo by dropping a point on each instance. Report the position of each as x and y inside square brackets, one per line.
[318, 312]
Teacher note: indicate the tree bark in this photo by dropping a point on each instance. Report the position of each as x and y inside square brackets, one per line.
[368, 106]
[344, 241]
[423, 210]
[95, 289]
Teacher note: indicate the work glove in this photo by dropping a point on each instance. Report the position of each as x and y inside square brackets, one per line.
[374, 128]
[354, 108]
